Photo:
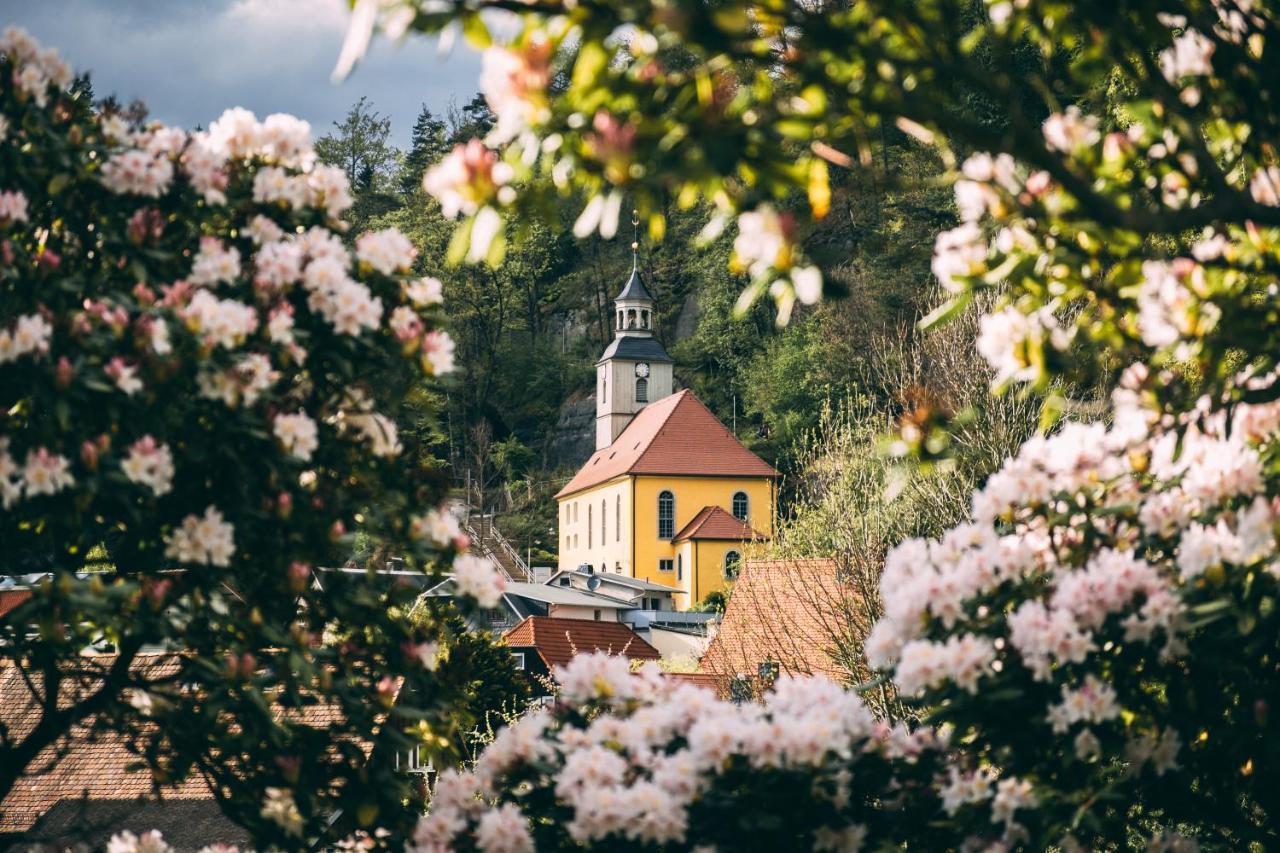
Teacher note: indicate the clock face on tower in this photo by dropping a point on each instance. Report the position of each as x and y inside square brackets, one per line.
[642, 370]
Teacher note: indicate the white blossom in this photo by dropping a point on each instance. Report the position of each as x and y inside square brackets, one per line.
[477, 578]
[150, 464]
[205, 539]
[297, 433]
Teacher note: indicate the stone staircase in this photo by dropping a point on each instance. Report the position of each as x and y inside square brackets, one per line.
[488, 541]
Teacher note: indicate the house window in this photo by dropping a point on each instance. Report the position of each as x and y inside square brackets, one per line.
[495, 616]
[564, 581]
[642, 390]
[617, 520]
[517, 660]
[617, 568]
[588, 525]
[411, 761]
[679, 567]
[740, 506]
[666, 565]
[666, 515]
[732, 563]
[597, 613]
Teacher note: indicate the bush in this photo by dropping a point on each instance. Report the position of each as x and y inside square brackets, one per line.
[200, 376]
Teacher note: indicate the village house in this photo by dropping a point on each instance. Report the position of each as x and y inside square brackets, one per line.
[670, 496]
[790, 616]
[541, 643]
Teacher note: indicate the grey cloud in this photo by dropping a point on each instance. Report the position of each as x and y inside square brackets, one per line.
[191, 59]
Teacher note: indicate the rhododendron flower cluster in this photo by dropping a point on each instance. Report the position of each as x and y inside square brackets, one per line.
[200, 376]
[634, 758]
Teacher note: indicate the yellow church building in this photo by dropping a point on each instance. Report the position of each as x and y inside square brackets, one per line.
[670, 495]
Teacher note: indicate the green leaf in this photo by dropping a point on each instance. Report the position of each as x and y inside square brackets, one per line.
[591, 63]
[476, 32]
[58, 183]
[459, 244]
[947, 311]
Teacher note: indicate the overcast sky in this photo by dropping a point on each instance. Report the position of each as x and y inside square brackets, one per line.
[191, 59]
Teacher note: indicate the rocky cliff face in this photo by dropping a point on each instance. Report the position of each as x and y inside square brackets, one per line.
[687, 319]
[575, 436]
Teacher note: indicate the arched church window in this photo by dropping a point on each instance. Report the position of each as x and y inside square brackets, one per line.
[732, 563]
[666, 515]
[644, 319]
[642, 390]
[619, 318]
[740, 506]
[631, 318]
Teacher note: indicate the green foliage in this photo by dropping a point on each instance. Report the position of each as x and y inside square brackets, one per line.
[428, 142]
[359, 145]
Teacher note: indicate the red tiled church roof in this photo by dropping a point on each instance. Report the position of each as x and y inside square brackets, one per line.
[676, 435]
[558, 640]
[712, 522]
[796, 612]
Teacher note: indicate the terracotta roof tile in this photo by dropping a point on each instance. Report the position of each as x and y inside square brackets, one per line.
[676, 435]
[558, 640]
[95, 764]
[697, 679]
[795, 612]
[11, 598]
[712, 522]
[93, 767]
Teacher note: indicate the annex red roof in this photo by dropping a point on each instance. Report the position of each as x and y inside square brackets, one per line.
[676, 435]
[558, 640]
[712, 522]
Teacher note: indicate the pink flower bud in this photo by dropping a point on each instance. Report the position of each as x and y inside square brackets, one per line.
[64, 374]
[89, 455]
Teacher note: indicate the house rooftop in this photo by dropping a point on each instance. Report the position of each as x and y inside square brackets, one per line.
[677, 435]
[793, 612]
[624, 580]
[558, 640]
[561, 595]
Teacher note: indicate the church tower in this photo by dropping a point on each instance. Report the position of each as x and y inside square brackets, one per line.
[635, 370]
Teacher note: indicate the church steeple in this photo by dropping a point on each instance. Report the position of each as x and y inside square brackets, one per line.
[635, 370]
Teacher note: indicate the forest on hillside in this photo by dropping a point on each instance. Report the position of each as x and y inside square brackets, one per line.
[528, 333]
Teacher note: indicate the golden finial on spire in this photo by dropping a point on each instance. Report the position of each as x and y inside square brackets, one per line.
[635, 232]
